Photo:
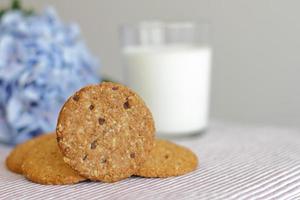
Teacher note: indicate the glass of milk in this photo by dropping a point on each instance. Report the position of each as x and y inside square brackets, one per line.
[168, 65]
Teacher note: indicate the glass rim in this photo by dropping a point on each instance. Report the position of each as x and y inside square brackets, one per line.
[165, 24]
[159, 32]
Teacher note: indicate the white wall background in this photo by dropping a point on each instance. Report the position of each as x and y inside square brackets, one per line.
[256, 45]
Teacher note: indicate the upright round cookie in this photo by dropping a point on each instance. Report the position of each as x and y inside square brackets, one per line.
[44, 164]
[168, 159]
[15, 159]
[105, 132]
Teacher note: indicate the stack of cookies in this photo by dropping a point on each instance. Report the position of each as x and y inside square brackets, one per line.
[105, 133]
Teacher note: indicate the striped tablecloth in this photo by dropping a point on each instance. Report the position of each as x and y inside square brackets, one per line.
[236, 162]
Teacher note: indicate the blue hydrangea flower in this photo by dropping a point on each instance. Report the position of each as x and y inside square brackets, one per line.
[42, 62]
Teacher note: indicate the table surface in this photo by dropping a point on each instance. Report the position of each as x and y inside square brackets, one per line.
[236, 162]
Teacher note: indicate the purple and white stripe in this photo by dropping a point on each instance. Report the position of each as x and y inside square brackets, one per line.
[236, 162]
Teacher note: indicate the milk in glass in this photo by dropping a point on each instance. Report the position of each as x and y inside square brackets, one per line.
[173, 78]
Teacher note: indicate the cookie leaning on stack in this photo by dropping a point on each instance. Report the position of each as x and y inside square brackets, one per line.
[104, 132]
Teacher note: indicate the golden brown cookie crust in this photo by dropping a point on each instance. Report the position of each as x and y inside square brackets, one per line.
[105, 132]
[44, 164]
[168, 159]
[15, 159]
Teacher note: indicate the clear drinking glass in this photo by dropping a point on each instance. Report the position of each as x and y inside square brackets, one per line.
[168, 65]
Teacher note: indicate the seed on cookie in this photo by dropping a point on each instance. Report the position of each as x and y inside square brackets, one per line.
[111, 157]
[58, 139]
[101, 120]
[76, 97]
[94, 144]
[103, 160]
[85, 157]
[91, 107]
[132, 155]
[126, 105]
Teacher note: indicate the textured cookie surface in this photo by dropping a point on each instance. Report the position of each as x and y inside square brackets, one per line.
[44, 164]
[15, 158]
[105, 132]
[168, 159]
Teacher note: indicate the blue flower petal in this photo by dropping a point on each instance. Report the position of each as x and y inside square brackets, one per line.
[42, 62]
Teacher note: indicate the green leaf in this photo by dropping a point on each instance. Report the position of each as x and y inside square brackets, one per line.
[28, 12]
[108, 79]
[16, 5]
[2, 12]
